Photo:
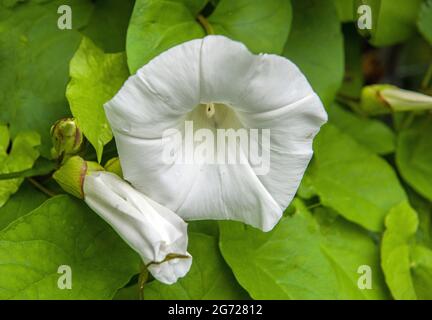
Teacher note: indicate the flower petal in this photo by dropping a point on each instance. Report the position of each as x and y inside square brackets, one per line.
[293, 129]
[226, 68]
[150, 229]
[232, 75]
[159, 95]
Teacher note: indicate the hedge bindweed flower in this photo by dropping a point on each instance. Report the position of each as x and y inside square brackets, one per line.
[216, 83]
[156, 233]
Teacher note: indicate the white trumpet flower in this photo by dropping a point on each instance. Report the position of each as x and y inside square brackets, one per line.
[216, 84]
[155, 232]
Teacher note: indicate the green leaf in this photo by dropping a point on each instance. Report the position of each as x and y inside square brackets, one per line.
[424, 22]
[406, 261]
[108, 24]
[414, 155]
[263, 26]
[345, 10]
[285, 263]
[371, 133]
[95, 78]
[22, 156]
[63, 231]
[348, 247]
[41, 167]
[394, 21]
[128, 293]
[354, 181]
[424, 212]
[208, 279]
[421, 271]
[21, 203]
[315, 44]
[401, 226]
[4, 139]
[156, 26]
[34, 62]
[159, 25]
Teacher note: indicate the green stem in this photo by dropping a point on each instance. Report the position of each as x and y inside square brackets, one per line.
[39, 186]
[427, 79]
[205, 24]
[313, 206]
[142, 280]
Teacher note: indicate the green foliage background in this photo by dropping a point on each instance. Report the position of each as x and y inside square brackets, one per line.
[366, 198]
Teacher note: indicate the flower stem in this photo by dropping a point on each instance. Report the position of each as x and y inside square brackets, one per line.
[39, 186]
[205, 24]
[142, 280]
[427, 79]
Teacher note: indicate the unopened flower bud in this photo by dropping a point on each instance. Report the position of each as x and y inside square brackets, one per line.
[384, 99]
[67, 138]
[72, 173]
[113, 165]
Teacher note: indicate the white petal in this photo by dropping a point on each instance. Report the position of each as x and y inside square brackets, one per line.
[293, 128]
[230, 192]
[149, 228]
[193, 191]
[232, 75]
[144, 167]
[226, 68]
[275, 83]
[159, 95]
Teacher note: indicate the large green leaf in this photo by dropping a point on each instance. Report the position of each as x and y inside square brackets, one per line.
[371, 133]
[95, 78]
[414, 155]
[425, 20]
[353, 180]
[315, 44]
[63, 231]
[348, 247]
[159, 25]
[22, 156]
[345, 9]
[407, 264]
[21, 203]
[156, 26]
[393, 20]
[34, 60]
[108, 24]
[263, 26]
[286, 263]
[209, 277]
[291, 261]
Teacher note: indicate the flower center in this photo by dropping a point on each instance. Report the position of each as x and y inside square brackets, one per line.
[210, 110]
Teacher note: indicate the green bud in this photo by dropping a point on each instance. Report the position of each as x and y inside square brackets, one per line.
[72, 173]
[67, 139]
[113, 165]
[384, 99]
